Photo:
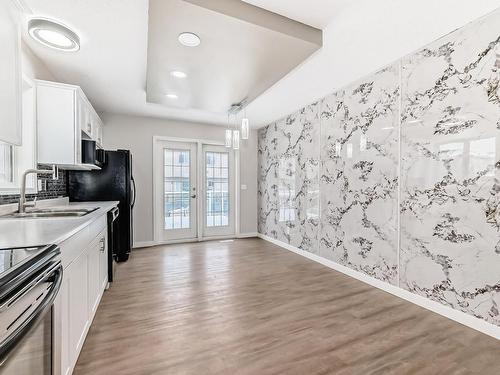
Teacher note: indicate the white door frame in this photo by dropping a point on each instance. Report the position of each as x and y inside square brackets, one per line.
[199, 181]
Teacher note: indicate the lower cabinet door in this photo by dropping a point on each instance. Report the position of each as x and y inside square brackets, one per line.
[94, 277]
[78, 304]
[83, 284]
[63, 319]
[103, 263]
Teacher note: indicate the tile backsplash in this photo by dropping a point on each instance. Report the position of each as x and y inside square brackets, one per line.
[55, 188]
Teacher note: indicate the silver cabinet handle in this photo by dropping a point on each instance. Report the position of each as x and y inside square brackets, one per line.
[103, 247]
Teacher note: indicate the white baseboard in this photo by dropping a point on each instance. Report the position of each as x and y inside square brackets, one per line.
[139, 244]
[144, 244]
[247, 235]
[458, 316]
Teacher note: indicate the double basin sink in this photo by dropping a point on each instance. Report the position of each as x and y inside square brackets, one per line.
[50, 212]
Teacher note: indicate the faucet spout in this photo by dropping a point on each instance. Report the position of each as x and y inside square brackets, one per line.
[22, 196]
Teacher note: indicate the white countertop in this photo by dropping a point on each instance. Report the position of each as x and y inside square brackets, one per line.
[43, 231]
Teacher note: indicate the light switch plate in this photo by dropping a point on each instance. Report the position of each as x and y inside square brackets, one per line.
[243, 187]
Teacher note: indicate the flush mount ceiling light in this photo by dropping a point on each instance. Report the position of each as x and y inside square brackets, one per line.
[172, 96]
[178, 74]
[53, 34]
[189, 39]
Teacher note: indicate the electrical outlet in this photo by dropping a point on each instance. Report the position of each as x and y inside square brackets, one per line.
[42, 185]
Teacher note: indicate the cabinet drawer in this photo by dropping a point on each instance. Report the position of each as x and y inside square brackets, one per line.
[79, 242]
[74, 246]
[98, 226]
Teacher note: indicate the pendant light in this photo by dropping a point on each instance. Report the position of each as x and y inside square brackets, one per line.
[245, 124]
[236, 134]
[236, 139]
[229, 135]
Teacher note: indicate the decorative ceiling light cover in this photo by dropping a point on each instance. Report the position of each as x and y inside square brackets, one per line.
[53, 34]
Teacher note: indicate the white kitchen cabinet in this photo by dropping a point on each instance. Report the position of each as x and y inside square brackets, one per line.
[61, 329]
[78, 306]
[64, 117]
[103, 263]
[98, 131]
[10, 74]
[81, 291]
[96, 286]
[58, 136]
[83, 121]
[90, 123]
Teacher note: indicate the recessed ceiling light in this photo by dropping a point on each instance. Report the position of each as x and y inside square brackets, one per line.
[171, 96]
[53, 34]
[178, 74]
[189, 39]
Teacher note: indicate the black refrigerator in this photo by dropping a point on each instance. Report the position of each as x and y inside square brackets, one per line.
[113, 182]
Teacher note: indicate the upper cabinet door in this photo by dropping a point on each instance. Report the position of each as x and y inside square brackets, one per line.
[10, 74]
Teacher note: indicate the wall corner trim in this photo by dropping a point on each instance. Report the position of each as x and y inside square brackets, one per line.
[458, 316]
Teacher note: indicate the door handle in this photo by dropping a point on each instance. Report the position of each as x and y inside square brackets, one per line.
[193, 196]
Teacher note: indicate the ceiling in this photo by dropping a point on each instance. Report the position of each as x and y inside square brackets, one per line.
[316, 13]
[244, 50]
[111, 65]
[359, 37]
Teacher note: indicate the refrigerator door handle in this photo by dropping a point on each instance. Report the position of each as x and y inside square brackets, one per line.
[133, 184]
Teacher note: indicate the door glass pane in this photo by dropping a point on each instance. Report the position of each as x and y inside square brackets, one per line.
[217, 188]
[176, 188]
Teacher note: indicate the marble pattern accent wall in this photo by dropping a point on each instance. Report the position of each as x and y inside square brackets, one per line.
[450, 188]
[359, 175]
[397, 175]
[288, 179]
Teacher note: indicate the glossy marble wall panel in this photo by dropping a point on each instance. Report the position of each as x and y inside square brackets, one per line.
[288, 184]
[450, 208]
[410, 153]
[359, 175]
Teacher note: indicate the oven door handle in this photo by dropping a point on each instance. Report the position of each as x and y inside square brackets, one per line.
[30, 286]
[11, 341]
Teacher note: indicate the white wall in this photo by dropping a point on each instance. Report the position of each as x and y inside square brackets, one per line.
[363, 37]
[136, 134]
[32, 66]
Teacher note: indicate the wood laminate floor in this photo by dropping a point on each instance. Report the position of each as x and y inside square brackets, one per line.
[250, 307]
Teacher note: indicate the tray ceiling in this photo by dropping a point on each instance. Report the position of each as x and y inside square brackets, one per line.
[244, 50]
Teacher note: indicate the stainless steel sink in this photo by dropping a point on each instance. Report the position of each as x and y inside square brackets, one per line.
[51, 212]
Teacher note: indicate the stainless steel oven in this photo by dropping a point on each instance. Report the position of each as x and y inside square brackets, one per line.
[30, 279]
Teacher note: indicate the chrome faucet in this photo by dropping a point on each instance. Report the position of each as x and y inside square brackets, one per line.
[22, 198]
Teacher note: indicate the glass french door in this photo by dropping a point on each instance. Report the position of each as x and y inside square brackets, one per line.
[218, 188]
[176, 194]
[194, 191]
